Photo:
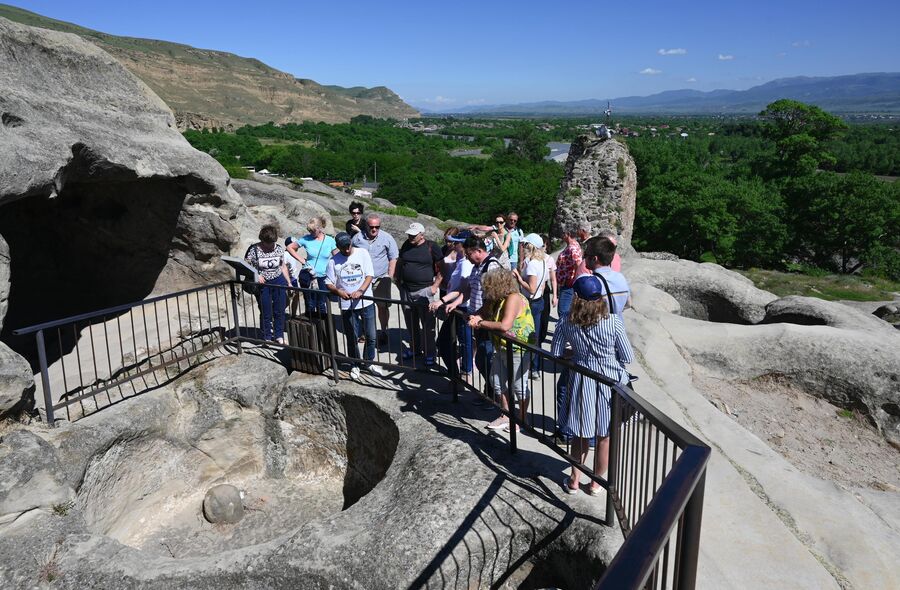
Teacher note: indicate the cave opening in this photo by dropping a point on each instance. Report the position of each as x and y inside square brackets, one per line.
[94, 245]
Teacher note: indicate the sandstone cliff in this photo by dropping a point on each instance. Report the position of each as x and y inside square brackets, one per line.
[101, 199]
[209, 88]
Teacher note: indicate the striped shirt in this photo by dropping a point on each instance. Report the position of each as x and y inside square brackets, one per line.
[476, 293]
[602, 348]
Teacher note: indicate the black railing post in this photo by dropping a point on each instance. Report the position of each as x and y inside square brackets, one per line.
[235, 316]
[45, 377]
[613, 470]
[332, 337]
[510, 396]
[454, 362]
[689, 544]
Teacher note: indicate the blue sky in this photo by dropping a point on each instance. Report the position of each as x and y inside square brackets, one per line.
[449, 54]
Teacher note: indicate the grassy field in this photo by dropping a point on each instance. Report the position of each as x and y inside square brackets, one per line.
[825, 286]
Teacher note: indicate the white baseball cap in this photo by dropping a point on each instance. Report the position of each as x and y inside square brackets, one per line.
[535, 240]
[415, 229]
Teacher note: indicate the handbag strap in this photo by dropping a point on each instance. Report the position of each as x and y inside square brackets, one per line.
[321, 245]
[612, 306]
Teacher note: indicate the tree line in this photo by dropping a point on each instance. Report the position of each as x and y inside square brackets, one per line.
[766, 194]
[791, 188]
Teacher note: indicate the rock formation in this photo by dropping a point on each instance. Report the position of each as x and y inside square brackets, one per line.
[4, 279]
[344, 488]
[599, 188]
[16, 382]
[704, 291]
[101, 199]
[273, 200]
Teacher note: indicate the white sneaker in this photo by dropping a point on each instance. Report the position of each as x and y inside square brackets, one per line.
[376, 370]
[354, 373]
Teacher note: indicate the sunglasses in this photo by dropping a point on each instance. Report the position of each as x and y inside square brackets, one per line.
[513, 220]
[374, 227]
[356, 212]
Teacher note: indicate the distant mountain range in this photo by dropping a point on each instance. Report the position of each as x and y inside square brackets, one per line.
[207, 88]
[856, 93]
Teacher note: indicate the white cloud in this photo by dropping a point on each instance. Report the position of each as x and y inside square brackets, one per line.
[691, 79]
[676, 51]
[803, 43]
[724, 57]
[438, 100]
[650, 72]
[476, 101]
[781, 55]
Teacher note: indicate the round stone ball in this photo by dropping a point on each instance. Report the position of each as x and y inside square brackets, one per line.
[222, 504]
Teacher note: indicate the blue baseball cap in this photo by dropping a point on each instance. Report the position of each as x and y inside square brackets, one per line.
[460, 237]
[342, 240]
[588, 287]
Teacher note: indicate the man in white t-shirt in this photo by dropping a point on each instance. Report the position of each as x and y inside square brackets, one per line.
[349, 276]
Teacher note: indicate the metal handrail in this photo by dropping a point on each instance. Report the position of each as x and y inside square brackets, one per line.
[636, 559]
[112, 310]
[675, 505]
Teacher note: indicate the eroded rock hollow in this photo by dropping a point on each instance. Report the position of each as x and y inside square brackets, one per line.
[101, 199]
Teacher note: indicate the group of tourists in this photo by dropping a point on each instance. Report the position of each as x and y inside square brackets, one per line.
[502, 282]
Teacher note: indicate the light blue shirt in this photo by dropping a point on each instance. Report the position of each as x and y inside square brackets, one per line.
[318, 253]
[618, 286]
[382, 250]
[516, 236]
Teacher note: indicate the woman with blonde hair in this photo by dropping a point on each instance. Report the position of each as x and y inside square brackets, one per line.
[509, 315]
[599, 344]
[319, 250]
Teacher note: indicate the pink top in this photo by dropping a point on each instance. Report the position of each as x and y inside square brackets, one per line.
[617, 260]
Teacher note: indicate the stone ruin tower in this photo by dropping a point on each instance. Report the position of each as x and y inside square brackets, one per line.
[599, 188]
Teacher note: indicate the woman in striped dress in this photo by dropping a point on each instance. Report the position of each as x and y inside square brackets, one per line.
[599, 344]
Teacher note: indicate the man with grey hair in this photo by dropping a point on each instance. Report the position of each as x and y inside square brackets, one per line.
[568, 266]
[382, 249]
[583, 232]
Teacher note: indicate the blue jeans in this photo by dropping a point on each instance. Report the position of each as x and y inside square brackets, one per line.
[537, 312]
[566, 294]
[360, 322]
[316, 303]
[463, 336]
[271, 308]
[484, 350]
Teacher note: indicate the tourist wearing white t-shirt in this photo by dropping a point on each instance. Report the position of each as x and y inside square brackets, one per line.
[533, 277]
[349, 276]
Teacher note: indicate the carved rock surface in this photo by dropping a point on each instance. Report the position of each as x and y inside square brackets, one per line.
[92, 166]
[811, 311]
[16, 381]
[4, 279]
[31, 476]
[398, 490]
[705, 291]
[599, 188]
